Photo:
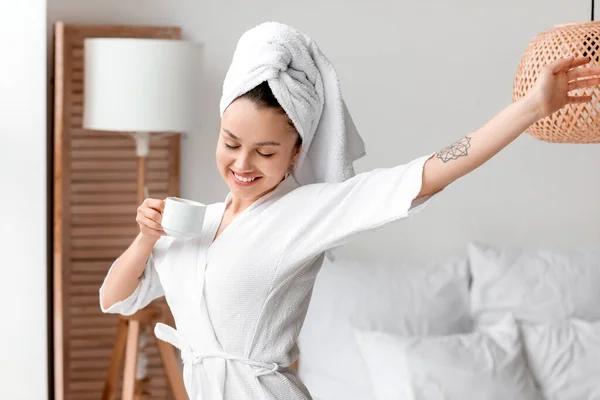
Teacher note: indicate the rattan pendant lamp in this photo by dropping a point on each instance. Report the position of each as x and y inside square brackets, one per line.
[575, 123]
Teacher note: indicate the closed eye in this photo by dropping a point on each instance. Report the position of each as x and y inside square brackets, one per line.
[237, 147]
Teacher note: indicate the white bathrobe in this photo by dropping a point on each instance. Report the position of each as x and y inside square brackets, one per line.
[239, 301]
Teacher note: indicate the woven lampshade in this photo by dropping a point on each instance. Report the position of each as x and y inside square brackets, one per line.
[575, 123]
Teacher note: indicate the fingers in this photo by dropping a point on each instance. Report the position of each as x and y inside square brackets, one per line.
[156, 204]
[151, 214]
[149, 226]
[150, 223]
[578, 73]
[564, 64]
[579, 61]
[561, 64]
[583, 83]
[578, 99]
[149, 217]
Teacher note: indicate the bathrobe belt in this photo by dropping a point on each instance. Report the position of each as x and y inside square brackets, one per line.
[189, 356]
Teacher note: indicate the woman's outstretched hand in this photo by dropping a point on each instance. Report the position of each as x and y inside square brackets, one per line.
[551, 90]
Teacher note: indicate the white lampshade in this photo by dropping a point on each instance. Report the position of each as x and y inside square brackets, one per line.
[140, 85]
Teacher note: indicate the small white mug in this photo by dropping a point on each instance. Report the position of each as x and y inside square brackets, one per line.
[183, 218]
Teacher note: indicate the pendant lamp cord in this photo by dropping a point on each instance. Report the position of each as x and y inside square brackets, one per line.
[592, 10]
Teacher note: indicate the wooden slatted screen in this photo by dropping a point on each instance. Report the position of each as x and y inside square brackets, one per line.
[95, 175]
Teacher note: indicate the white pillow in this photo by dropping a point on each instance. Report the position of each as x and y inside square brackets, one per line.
[486, 365]
[535, 286]
[380, 294]
[565, 358]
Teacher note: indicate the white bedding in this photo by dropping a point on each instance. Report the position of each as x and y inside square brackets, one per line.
[383, 295]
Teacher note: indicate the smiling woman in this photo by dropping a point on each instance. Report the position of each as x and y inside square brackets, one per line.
[240, 291]
[258, 145]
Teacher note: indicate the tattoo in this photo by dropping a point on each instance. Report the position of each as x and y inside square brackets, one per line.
[455, 150]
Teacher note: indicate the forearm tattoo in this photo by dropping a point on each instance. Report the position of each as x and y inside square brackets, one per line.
[455, 150]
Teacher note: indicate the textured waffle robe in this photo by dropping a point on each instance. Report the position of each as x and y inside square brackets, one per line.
[239, 300]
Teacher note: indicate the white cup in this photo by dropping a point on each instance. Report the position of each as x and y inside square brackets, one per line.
[183, 218]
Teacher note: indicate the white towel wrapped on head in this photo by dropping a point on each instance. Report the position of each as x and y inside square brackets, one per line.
[306, 85]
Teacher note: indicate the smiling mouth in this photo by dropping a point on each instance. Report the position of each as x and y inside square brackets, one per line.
[244, 181]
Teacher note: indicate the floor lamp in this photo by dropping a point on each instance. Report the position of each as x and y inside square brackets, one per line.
[143, 88]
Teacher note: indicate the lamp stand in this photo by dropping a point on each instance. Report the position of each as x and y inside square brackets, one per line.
[142, 147]
[134, 330]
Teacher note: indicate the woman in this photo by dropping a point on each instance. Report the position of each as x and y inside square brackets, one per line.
[239, 293]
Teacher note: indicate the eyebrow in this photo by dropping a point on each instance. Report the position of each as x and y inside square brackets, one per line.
[255, 144]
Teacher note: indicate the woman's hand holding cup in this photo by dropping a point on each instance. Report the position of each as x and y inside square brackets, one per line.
[149, 218]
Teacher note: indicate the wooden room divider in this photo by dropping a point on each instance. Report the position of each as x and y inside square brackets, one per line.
[95, 177]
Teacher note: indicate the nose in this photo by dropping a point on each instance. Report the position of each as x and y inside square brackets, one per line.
[243, 163]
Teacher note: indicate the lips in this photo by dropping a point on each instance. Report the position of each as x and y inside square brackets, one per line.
[244, 183]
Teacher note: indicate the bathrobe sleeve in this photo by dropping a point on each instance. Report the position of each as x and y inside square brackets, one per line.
[148, 289]
[337, 211]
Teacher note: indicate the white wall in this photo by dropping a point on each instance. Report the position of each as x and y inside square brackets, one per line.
[23, 330]
[417, 75]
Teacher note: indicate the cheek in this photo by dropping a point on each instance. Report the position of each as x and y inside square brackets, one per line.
[278, 165]
[223, 158]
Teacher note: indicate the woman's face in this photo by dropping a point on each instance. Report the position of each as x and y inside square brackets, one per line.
[255, 149]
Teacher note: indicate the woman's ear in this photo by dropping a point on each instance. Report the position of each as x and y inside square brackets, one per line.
[296, 154]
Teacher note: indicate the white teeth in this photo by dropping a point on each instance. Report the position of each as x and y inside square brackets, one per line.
[243, 179]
